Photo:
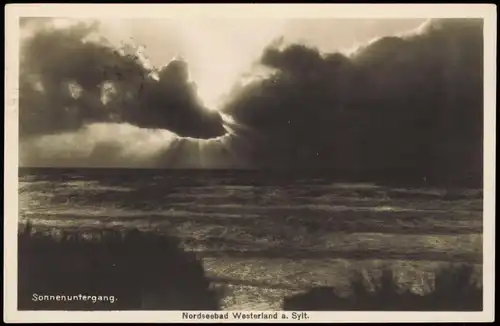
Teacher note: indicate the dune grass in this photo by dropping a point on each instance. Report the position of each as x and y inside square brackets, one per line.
[453, 289]
[146, 270]
[142, 270]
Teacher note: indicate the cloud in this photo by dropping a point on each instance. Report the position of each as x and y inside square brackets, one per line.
[408, 105]
[98, 145]
[122, 145]
[71, 77]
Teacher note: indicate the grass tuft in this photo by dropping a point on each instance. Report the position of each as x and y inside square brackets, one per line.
[453, 289]
[142, 270]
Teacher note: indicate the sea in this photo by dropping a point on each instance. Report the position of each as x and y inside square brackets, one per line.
[266, 235]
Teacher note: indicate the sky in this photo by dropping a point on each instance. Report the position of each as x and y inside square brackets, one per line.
[219, 51]
[222, 93]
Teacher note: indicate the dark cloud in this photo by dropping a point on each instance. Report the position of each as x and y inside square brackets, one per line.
[401, 106]
[68, 79]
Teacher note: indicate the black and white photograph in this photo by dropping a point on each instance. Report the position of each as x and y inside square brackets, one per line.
[250, 167]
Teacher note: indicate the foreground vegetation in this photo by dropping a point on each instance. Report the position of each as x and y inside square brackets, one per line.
[453, 290]
[150, 271]
[140, 270]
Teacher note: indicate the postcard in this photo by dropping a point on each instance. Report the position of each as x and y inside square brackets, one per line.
[249, 163]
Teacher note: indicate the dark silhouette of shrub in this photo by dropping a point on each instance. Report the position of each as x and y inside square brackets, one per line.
[453, 290]
[142, 270]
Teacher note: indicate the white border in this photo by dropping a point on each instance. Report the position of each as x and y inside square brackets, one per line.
[194, 11]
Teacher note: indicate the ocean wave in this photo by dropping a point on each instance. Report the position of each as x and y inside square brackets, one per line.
[84, 185]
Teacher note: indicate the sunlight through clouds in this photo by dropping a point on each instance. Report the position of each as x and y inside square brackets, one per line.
[222, 56]
[219, 52]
